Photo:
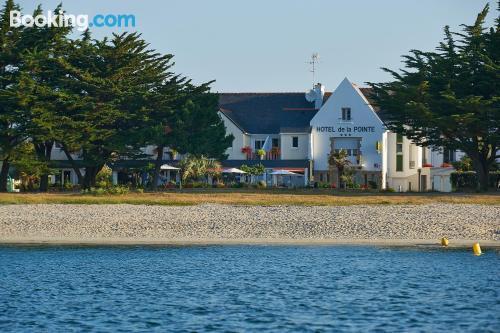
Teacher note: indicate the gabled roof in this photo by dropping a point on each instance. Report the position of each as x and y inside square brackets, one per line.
[266, 113]
[368, 92]
[273, 113]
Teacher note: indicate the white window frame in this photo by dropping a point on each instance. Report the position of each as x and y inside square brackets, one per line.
[346, 114]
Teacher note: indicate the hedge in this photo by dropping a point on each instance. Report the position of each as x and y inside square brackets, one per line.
[468, 179]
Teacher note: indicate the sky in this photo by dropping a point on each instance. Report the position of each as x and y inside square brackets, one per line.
[265, 45]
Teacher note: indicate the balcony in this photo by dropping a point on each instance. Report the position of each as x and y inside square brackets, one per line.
[274, 154]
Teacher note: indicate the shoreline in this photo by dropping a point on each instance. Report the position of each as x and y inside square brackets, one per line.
[216, 224]
[427, 243]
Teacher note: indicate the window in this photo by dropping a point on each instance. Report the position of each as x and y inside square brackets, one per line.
[346, 113]
[448, 156]
[411, 153]
[399, 162]
[276, 143]
[295, 142]
[399, 152]
[259, 144]
[424, 155]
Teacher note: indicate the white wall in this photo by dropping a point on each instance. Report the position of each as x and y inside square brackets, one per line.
[411, 152]
[290, 153]
[364, 124]
[240, 139]
[409, 149]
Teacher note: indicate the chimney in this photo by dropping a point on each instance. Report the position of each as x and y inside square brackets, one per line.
[319, 90]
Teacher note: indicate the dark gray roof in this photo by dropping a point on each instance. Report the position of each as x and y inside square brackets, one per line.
[266, 113]
[368, 93]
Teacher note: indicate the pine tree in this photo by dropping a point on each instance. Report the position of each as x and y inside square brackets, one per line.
[11, 132]
[38, 91]
[450, 98]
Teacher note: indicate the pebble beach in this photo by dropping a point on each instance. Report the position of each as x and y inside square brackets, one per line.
[214, 223]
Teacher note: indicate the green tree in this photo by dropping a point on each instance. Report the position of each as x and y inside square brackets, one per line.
[188, 122]
[197, 168]
[255, 170]
[12, 133]
[450, 98]
[28, 166]
[36, 92]
[340, 160]
[465, 164]
[114, 87]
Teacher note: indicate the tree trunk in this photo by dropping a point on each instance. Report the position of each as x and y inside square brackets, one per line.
[340, 171]
[90, 176]
[482, 171]
[4, 173]
[73, 164]
[44, 151]
[482, 167]
[156, 175]
[44, 183]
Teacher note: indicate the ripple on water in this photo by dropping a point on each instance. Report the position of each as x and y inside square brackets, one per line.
[248, 288]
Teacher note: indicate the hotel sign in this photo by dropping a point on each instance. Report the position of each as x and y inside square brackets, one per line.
[346, 129]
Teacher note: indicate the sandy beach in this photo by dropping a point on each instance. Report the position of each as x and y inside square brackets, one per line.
[228, 224]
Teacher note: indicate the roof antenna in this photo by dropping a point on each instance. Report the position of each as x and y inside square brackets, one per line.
[313, 62]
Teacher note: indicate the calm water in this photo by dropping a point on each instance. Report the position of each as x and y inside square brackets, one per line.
[248, 288]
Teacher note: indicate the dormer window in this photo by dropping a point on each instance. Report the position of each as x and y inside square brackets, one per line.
[346, 113]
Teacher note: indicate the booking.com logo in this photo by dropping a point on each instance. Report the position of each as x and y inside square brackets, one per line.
[81, 22]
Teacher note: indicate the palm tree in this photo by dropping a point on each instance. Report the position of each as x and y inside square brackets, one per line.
[197, 168]
[340, 160]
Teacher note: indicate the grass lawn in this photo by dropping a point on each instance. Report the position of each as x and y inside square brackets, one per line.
[251, 197]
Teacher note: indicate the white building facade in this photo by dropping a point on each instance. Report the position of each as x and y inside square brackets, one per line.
[305, 130]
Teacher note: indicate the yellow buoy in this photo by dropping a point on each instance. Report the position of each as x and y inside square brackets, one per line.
[444, 241]
[477, 249]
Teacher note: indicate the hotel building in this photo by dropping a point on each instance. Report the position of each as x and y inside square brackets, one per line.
[305, 128]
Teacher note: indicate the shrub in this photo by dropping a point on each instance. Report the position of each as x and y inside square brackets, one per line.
[255, 170]
[325, 185]
[199, 185]
[465, 164]
[98, 191]
[261, 184]
[104, 177]
[119, 189]
[462, 180]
